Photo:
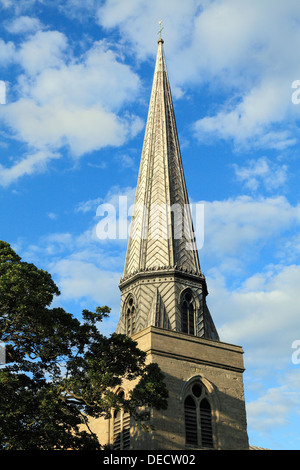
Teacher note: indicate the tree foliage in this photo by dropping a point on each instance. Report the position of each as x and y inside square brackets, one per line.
[59, 369]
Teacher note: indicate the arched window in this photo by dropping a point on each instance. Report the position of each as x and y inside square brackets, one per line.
[121, 429]
[205, 422]
[187, 313]
[130, 316]
[117, 430]
[198, 417]
[190, 416]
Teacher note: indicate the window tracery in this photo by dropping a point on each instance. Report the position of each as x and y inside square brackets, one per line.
[121, 428]
[198, 417]
[130, 316]
[187, 313]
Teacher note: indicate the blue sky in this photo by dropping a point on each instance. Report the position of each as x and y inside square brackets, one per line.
[78, 77]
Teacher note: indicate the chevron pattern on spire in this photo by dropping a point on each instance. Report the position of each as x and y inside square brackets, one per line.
[162, 231]
[162, 268]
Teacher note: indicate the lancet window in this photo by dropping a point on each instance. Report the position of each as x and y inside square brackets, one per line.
[121, 429]
[130, 316]
[187, 313]
[198, 417]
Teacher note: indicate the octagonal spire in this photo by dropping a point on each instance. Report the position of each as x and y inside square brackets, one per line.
[162, 231]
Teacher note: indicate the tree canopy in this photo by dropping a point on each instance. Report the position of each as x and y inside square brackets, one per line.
[60, 370]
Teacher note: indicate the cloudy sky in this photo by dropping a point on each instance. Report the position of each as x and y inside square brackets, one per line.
[75, 82]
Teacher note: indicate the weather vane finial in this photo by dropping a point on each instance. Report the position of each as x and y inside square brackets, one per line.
[161, 28]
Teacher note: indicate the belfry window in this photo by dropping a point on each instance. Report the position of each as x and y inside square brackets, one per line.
[130, 317]
[190, 416]
[187, 313]
[198, 417]
[121, 429]
[205, 422]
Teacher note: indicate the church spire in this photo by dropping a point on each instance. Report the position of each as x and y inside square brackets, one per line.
[162, 283]
[162, 231]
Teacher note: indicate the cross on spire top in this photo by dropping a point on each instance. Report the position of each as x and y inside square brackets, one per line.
[161, 28]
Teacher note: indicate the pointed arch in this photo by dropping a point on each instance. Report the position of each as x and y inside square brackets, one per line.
[129, 315]
[190, 420]
[206, 423]
[188, 309]
[121, 427]
[200, 413]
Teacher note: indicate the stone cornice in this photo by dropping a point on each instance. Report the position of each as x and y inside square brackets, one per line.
[162, 271]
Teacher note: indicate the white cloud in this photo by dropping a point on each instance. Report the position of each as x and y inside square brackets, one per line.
[88, 285]
[112, 197]
[274, 409]
[33, 163]
[7, 52]
[2, 92]
[254, 303]
[116, 206]
[24, 24]
[43, 50]
[86, 269]
[138, 22]
[77, 103]
[234, 47]
[20, 6]
[262, 314]
[79, 279]
[99, 76]
[252, 119]
[125, 160]
[290, 248]
[261, 172]
[69, 103]
[86, 274]
[89, 205]
[5, 3]
[237, 227]
[54, 126]
[270, 409]
[52, 215]
[245, 50]
[78, 9]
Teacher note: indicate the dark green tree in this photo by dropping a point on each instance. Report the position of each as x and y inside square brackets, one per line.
[61, 370]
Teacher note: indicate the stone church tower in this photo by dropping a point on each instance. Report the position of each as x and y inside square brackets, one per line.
[163, 305]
